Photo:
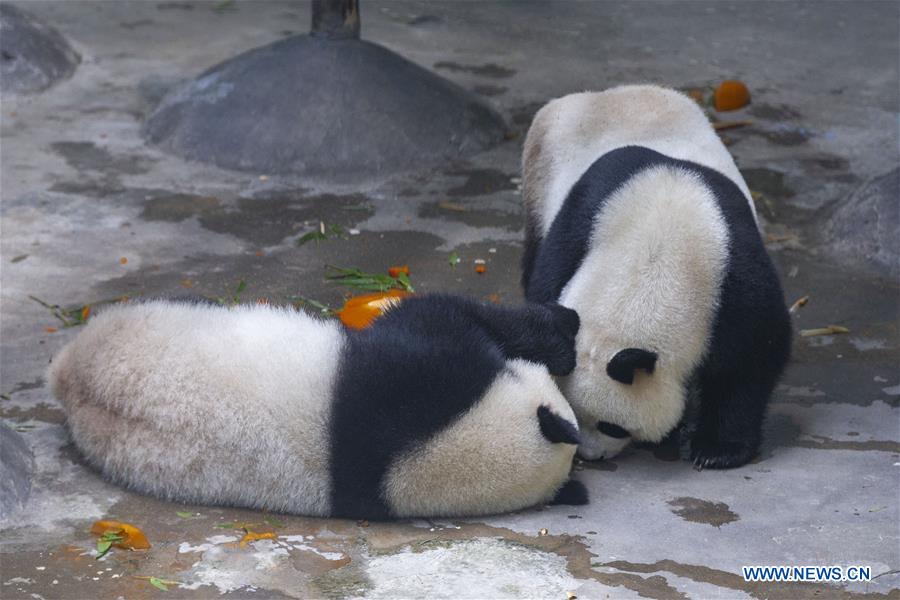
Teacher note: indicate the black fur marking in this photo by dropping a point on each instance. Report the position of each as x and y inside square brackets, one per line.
[751, 335]
[416, 370]
[572, 493]
[612, 430]
[556, 429]
[622, 366]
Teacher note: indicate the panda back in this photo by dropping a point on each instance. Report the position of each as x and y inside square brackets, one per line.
[203, 403]
[570, 133]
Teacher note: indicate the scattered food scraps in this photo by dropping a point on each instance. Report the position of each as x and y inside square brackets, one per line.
[132, 538]
[123, 261]
[454, 259]
[828, 330]
[571, 596]
[235, 296]
[723, 125]
[798, 304]
[186, 283]
[774, 239]
[395, 271]
[70, 317]
[362, 523]
[367, 282]
[19, 258]
[323, 233]
[157, 582]
[273, 522]
[324, 309]
[106, 541]
[360, 311]
[452, 206]
[731, 95]
[252, 536]
[697, 95]
[480, 266]
[50, 329]
[186, 515]
[543, 532]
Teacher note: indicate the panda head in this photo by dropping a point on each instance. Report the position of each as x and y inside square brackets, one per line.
[513, 448]
[614, 401]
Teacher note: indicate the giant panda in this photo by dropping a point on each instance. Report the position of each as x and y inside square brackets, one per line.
[638, 218]
[444, 407]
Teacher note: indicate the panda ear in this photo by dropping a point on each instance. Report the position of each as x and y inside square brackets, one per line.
[556, 429]
[623, 365]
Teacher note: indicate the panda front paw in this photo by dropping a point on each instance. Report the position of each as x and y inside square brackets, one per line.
[712, 454]
[559, 346]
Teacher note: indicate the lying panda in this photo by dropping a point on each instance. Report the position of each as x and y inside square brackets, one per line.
[637, 217]
[444, 407]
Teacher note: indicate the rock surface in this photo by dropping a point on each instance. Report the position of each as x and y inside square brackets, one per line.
[33, 56]
[335, 110]
[865, 228]
[16, 469]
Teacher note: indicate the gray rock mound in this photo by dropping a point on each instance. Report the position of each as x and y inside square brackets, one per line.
[865, 229]
[33, 56]
[343, 110]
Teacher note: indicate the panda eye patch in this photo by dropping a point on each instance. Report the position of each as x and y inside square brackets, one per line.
[614, 431]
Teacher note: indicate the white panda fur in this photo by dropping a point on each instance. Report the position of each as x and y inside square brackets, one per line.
[568, 134]
[204, 404]
[652, 267]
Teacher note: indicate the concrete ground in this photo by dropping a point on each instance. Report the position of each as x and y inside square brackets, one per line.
[90, 213]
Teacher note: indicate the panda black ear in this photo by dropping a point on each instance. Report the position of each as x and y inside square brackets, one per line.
[556, 429]
[622, 366]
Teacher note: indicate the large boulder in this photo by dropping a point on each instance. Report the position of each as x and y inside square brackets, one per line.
[342, 110]
[16, 471]
[33, 56]
[865, 229]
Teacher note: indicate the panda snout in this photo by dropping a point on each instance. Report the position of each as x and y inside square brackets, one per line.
[599, 444]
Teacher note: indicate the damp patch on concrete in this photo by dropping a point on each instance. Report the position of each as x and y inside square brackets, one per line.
[474, 215]
[769, 182]
[480, 182]
[696, 510]
[87, 156]
[490, 70]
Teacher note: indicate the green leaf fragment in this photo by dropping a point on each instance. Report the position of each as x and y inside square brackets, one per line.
[185, 515]
[159, 583]
[367, 282]
[316, 236]
[273, 522]
[454, 259]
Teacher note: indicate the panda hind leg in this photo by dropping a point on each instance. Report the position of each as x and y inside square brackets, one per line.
[730, 422]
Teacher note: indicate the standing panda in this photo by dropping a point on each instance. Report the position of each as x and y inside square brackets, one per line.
[637, 218]
[444, 407]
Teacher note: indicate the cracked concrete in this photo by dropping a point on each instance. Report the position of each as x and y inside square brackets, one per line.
[81, 191]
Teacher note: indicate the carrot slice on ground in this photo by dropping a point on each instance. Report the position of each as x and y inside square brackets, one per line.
[360, 311]
[133, 537]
